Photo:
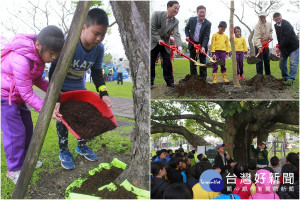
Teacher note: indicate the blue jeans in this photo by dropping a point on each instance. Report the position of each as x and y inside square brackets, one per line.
[294, 61]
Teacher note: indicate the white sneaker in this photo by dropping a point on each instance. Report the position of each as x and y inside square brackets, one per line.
[13, 175]
[38, 164]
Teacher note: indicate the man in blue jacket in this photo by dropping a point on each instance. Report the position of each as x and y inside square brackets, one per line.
[288, 46]
[198, 30]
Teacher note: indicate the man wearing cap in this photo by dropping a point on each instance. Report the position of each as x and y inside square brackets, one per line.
[198, 30]
[288, 46]
[262, 31]
[261, 154]
[223, 160]
[163, 23]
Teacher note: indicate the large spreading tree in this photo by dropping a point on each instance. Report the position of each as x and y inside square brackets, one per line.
[237, 123]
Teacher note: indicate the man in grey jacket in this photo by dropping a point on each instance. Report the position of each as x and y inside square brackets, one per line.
[164, 24]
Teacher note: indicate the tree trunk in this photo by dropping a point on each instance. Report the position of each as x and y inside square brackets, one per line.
[236, 83]
[250, 42]
[133, 20]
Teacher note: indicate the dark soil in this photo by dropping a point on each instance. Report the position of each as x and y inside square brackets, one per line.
[264, 87]
[99, 179]
[120, 193]
[253, 60]
[194, 86]
[85, 119]
[273, 57]
[260, 81]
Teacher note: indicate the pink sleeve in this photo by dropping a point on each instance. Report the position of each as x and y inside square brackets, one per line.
[41, 83]
[24, 83]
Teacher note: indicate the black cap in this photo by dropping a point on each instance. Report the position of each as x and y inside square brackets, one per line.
[223, 24]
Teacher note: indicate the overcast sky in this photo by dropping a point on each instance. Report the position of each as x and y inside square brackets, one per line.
[216, 11]
[112, 41]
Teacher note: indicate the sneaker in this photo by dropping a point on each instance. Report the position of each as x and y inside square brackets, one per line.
[87, 153]
[67, 159]
[38, 164]
[242, 78]
[13, 175]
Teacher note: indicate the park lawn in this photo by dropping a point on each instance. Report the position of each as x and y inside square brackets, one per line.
[113, 89]
[181, 68]
[115, 141]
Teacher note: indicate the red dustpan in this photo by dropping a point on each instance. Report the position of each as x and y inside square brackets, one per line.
[88, 97]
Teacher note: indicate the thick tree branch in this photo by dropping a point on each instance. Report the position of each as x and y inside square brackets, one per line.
[189, 116]
[211, 128]
[284, 127]
[189, 136]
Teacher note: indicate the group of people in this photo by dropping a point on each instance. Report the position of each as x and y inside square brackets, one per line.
[22, 64]
[164, 25]
[177, 176]
[108, 72]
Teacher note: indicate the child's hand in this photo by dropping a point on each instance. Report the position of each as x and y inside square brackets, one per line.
[56, 113]
[106, 99]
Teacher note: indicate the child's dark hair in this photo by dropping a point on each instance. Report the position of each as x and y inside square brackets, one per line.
[252, 164]
[171, 3]
[240, 169]
[222, 24]
[51, 38]
[156, 167]
[96, 16]
[237, 28]
[293, 158]
[199, 168]
[201, 7]
[274, 161]
[178, 191]
[174, 162]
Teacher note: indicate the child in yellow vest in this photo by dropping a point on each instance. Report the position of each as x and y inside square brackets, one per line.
[240, 48]
[220, 49]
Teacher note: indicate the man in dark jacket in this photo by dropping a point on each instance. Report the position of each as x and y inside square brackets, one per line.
[223, 160]
[198, 30]
[288, 46]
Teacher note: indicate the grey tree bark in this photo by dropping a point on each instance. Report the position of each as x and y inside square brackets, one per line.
[133, 20]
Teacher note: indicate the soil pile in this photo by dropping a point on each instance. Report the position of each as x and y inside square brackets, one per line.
[268, 81]
[194, 86]
[92, 183]
[85, 119]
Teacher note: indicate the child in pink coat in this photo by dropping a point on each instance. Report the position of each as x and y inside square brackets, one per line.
[264, 186]
[22, 65]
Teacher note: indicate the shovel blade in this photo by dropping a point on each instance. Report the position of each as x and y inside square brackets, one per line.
[253, 60]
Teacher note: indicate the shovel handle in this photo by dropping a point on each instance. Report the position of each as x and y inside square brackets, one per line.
[175, 48]
[197, 47]
[69, 128]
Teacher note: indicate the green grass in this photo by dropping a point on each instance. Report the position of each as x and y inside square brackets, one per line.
[116, 141]
[114, 90]
[181, 68]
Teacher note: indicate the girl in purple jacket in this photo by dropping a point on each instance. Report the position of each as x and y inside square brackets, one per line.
[22, 65]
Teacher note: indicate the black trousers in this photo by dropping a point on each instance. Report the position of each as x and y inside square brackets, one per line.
[62, 133]
[264, 57]
[167, 65]
[193, 68]
[120, 78]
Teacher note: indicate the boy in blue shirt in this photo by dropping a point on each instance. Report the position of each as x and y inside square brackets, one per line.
[89, 54]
